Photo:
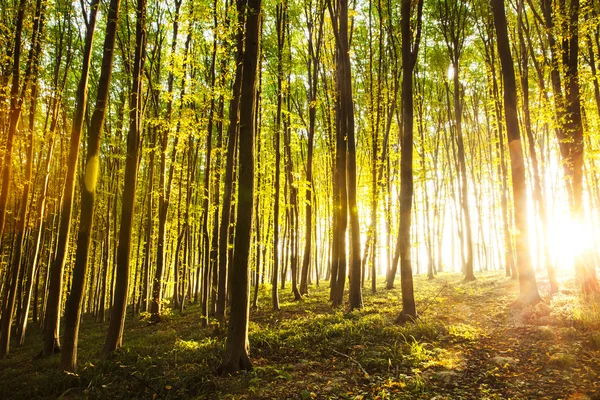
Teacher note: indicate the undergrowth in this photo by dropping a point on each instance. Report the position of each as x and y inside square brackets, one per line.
[305, 350]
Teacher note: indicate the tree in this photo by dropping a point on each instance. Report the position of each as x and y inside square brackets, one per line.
[537, 185]
[164, 184]
[281, 17]
[114, 337]
[528, 285]
[345, 166]
[339, 185]
[16, 105]
[52, 309]
[232, 140]
[88, 195]
[236, 348]
[410, 50]
[315, 28]
[292, 194]
[574, 160]
[562, 32]
[453, 21]
[16, 102]
[207, 175]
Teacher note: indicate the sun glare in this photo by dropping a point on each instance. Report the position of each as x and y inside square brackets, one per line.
[568, 239]
[450, 72]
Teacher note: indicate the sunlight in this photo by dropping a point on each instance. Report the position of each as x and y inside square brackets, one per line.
[568, 239]
[450, 72]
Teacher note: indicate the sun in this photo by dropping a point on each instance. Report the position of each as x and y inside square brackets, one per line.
[568, 239]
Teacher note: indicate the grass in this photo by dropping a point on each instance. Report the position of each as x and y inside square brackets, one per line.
[309, 350]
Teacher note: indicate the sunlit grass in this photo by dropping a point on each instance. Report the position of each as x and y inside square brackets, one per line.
[302, 347]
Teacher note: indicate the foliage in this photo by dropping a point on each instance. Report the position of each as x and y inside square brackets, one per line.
[307, 350]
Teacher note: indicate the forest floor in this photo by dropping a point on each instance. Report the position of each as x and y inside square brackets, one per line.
[468, 343]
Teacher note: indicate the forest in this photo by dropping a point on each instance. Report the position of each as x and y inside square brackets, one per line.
[310, 199]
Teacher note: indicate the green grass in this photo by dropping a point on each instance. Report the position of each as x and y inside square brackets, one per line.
[305, 349]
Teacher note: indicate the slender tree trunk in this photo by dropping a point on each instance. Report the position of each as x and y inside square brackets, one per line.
[236, 348]
[114, 336]
[18, 261]
[347, 124]
[537, 185]
[314, 50]
[206, 183]
[258, 239]
[14, 114]
[464, 194]
[88, 196]
[105, 264]
[32, 263]
[232, 134]
[165, 189]
[575, 160]
[52, 309]
[281, 12]
[340, 176]
[293, 199]
[528, 285]
[149, 230]
[214, 244]
[410, 50]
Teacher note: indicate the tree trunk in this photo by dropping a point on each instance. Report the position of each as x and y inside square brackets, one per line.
[114, 336]
[145, 299]
[340, 176]
[206, 184]
[575, 159]
[346, 131]
[236, 348]
[409, 58]
[258, 239]
[281, 12]
[232, 134]
[165, 189]
[293, 198]
[16, 103]
[52, 309]
[537, 185]
[15, 276]
[88, 196]
[528, 285]
[314, 51]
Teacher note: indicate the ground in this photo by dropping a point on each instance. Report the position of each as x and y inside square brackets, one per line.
[468, 343]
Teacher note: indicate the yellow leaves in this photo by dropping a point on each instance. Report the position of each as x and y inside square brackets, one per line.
[464, 331]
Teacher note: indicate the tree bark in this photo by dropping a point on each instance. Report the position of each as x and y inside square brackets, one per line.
[314, 50]
[236, 348]
[281, 11]
[528, 285]
[165, 188]
[52, 309]
[88, 195]
[114, 336]
[206, 183]
[14, 276]
[16, 102]
[232, 134]
[410, 50]
[537, 185]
